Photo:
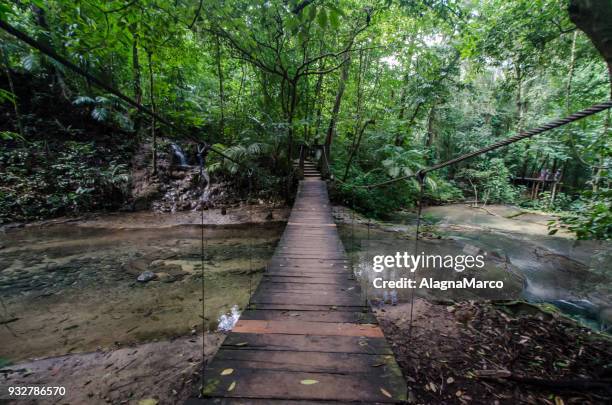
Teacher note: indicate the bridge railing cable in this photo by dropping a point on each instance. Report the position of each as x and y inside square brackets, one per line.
[419, 175]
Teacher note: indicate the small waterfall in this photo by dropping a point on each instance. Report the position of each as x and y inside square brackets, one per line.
[179, 154]
[227, 321]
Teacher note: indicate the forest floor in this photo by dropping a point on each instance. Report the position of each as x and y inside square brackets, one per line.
[495, 354]
[482, 351]
[164, 371]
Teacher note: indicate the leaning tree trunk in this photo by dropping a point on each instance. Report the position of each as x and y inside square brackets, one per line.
[153, 123]
[136, 75]
[9, 77]
[221, 88]
[334, 116]
[594, 18]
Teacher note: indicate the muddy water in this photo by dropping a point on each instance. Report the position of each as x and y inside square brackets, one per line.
[73, 287]
[575, 276]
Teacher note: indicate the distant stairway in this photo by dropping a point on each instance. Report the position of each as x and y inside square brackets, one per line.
[310, 170]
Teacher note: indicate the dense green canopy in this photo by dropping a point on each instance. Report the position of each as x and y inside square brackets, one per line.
[391, 86]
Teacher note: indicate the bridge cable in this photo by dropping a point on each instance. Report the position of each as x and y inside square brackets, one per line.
[250, 174]
[203, 152]
[592, 110]
[416, 249]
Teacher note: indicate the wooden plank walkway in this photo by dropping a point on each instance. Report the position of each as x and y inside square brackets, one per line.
[307, 337]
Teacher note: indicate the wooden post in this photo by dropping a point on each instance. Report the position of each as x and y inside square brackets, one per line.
[553, 193]
[301, 164]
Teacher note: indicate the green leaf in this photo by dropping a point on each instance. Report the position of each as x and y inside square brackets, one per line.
[7, 95]
[312, 12]
[84, 100]
[322, 18]
[5, 9]
[99, 114]
[309, 382]
[30, 62]
[334, 19]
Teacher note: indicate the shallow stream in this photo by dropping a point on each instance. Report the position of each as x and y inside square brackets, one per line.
[73, 287]
[574, 276]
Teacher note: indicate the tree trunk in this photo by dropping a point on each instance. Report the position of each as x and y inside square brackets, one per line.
[601, 166]
[431, 136]
[153, 123]
[355, 148]
[290, 114]
[319, 100]
[9, 77]
[404, 92]
[334, 116]
[221, 89]
[45, 39]
[570, 75]
[136, 75]
[358, 103]
[593, 17]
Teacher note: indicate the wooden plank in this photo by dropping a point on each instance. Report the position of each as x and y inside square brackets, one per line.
[307, 343]
[301, 327]
[309, 224]
[313, 316]
[304, 307]
[290, 301]
[308, 362]
[280, 384]
[251, 401]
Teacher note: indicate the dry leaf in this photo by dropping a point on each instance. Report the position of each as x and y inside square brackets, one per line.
[227, 371]
[308, 382]
[386, 393]
[241, 344]
[232, 386]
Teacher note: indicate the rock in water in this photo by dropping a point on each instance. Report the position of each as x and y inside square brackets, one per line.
[146, 276]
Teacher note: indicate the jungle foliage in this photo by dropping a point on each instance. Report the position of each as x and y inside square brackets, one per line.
[389, 86]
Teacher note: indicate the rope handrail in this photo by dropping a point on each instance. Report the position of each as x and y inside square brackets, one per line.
[419, 175]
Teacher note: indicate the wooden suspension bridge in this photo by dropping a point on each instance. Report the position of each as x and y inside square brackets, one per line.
[308, 337]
